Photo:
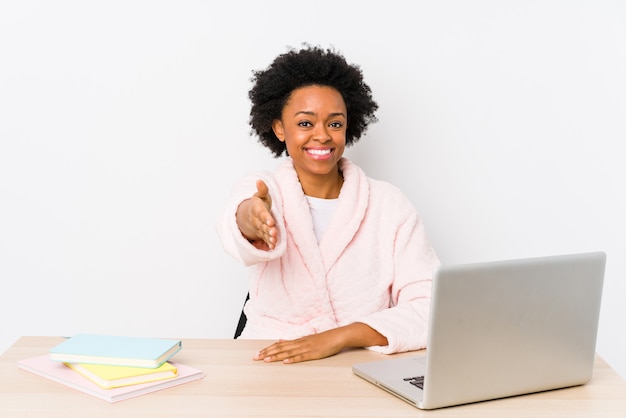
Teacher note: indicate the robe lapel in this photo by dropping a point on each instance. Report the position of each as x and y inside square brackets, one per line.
[319, 259]
[298, 218]
[349, 215]
[343, 225]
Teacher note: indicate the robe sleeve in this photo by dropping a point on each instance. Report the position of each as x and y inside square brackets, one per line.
[405, 323]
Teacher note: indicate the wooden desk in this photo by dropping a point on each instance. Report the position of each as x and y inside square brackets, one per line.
[236, 386]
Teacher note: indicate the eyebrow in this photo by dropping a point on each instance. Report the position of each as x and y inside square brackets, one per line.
[308, 112]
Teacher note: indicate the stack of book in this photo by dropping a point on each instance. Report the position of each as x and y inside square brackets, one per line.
[113, 368]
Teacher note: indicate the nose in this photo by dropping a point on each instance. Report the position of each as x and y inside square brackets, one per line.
[321, 133]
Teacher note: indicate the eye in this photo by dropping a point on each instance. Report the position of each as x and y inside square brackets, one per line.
[336, 125]
[305, 124]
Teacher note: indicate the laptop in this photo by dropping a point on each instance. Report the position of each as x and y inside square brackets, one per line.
[500, 329]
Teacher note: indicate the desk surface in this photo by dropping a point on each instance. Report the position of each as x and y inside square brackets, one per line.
[236, 386]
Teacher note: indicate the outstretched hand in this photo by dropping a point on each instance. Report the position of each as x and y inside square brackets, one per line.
[255, 220]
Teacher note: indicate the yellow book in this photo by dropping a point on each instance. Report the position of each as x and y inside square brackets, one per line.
[109, 377]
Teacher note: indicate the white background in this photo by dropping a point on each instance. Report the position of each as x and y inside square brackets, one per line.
[123, 125]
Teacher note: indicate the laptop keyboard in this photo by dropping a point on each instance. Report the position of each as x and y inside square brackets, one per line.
[416, 381]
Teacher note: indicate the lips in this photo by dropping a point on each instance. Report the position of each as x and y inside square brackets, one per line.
[319, 153]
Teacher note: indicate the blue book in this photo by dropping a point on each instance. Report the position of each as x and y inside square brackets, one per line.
[115, 350]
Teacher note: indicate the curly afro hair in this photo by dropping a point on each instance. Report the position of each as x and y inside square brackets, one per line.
[301, 68]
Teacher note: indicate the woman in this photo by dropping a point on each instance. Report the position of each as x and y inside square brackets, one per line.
[337, 259]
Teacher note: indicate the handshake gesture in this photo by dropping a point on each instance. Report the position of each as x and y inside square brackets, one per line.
[255, 220]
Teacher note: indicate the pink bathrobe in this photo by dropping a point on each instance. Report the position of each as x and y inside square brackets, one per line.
[374, 263]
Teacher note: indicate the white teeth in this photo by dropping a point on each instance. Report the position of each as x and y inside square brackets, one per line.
[319, 151]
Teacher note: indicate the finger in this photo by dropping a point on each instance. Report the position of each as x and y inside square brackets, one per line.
[263, 224]
[270, 350]
[287, 352]
[264, 212]
[262, 190]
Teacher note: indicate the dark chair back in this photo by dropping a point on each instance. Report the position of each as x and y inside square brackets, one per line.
[242, 320]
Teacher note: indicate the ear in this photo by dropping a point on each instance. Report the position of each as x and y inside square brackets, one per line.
[279, 129]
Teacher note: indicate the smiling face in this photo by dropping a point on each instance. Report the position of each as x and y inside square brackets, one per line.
[313, 127]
